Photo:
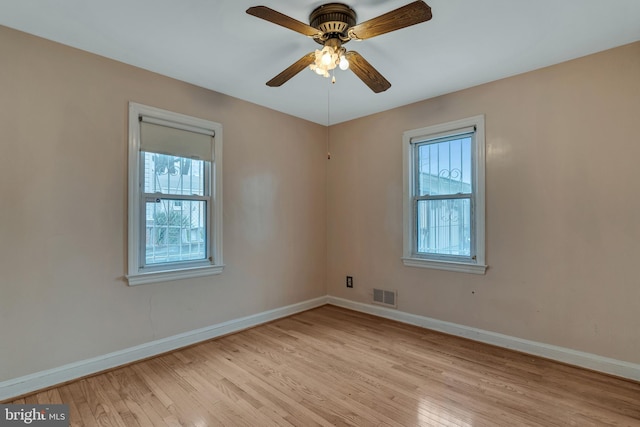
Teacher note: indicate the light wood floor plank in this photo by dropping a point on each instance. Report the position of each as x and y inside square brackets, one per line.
[335, 367]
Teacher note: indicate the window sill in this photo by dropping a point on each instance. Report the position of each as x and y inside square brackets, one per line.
[445, 265]
[166, 276]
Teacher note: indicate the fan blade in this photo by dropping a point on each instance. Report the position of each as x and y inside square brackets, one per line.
[292, 70]
[365, 71]
[278, 18]
[405, 16]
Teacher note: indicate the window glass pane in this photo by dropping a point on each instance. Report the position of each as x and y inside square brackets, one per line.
[175, 231]
[173, 175]
[444, 227]
[444, 167]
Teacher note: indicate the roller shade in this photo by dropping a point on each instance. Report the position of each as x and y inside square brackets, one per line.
[193, 143]
[448, 134]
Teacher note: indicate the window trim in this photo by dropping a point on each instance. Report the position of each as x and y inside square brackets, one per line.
[135, 228]
[410, 258]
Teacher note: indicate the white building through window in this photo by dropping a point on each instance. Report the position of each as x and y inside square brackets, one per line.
[444, 196]
[175, 196]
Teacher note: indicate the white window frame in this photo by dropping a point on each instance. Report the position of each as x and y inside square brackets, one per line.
[410, 258]
[137, 275]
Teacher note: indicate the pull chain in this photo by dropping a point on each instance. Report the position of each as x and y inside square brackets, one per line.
[328, 123]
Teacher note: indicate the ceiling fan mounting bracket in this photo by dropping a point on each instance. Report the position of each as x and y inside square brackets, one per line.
[334, 20]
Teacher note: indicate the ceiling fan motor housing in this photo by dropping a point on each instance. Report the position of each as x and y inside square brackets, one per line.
[333, 19]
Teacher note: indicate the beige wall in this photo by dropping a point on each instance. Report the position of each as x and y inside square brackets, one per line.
[63, 148]
[563, 212]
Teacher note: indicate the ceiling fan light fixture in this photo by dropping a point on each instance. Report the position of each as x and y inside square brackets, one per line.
[326, 60]
[344, 63]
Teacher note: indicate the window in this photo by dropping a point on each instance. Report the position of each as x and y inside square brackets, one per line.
[444, 196]
[175, 196]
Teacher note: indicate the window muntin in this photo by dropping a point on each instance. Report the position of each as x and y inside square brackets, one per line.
[444, 196]
[175, 196]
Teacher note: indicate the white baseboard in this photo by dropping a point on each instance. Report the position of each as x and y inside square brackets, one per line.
[43, 379]
[51, 377]
[572, 357]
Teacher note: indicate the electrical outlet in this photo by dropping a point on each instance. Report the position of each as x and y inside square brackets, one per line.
[349, 281]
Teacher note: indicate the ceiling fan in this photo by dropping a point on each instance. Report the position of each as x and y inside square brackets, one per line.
[333, 25]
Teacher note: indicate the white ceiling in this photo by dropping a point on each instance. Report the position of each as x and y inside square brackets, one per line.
[216, 45]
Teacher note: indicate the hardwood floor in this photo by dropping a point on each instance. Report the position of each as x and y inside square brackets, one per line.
[332, 366]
